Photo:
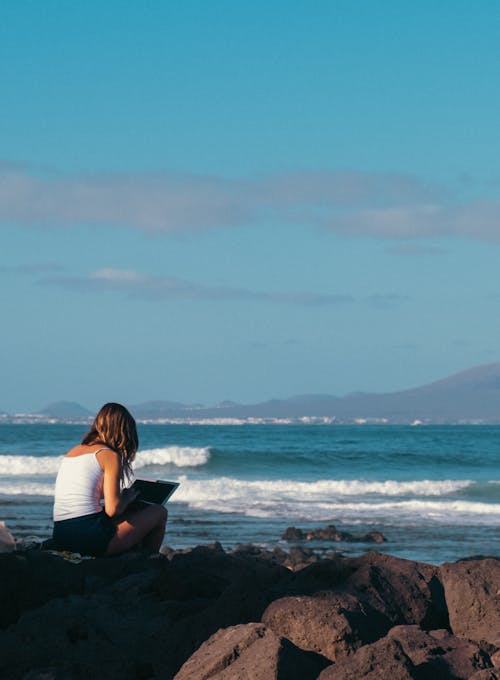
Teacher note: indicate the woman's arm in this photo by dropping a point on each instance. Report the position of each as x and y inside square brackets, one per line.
[115, 501]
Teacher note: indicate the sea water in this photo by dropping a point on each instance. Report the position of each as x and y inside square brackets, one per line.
[433, 491]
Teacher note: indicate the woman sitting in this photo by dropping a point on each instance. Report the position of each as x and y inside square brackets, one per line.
[97, 469]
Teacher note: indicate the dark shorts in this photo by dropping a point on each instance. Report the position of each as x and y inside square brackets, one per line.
[88, 535]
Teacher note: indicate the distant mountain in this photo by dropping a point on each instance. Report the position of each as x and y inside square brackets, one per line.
[472, 395]
[65, 410]
[162, 409]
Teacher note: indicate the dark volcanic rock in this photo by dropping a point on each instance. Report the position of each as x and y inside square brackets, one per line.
[111, 617]
[218, 591]
[487, 674]
[293, 534]
[404, 591]
[250, 651]
[438, 654]
[326, 574]
[333, 625]
[105, 635]
[331, 533]
[374, 537]
[299, 558]
[383, 660]
[472, 590]
[409, 652]
[296, 558]
[141, 617]
[32, 578]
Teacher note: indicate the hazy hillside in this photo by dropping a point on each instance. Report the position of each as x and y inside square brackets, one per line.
[472, 395]
[65, 409]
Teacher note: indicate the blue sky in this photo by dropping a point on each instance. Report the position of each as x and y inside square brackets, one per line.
[204, 201]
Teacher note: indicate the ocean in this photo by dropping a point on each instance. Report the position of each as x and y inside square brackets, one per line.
[433, 491]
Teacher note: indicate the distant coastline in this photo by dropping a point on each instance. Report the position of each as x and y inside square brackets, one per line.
[471, 397]
[37, 419]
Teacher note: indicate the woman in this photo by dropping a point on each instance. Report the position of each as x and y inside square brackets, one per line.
[97, 469]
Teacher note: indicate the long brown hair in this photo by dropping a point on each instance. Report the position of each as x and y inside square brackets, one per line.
[114, 427]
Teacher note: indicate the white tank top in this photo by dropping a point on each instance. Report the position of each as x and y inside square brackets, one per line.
[79, 487]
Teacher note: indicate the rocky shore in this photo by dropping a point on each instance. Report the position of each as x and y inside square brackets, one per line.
[251, 614]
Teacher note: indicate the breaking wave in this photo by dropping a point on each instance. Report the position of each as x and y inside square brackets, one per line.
[409, 503]
[327, 500]
[180, 456]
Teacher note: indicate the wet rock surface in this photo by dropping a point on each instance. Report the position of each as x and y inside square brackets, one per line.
[250, 613]
[331, 533]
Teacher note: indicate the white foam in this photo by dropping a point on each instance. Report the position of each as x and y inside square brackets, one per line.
[326, 489]
[316, 501]
[16, 466]
[23, 488]
[180, 456]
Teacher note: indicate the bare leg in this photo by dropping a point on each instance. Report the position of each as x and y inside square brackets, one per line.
[145, 527]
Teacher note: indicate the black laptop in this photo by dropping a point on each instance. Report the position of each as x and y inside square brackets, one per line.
[158, 491]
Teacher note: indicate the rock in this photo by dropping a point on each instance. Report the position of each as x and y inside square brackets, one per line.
[250, 651]
[253, 552]
[295, 559]
[214, 547]
[487, 674]
[138, 616]
[331, 533]
[438, 654]
[99, 635]
[29, 579]
[122, 610]
[293, 534]
[409, 652]
[333, 625]
[472, 591]
[406, 592]
[382, 660]
[218, 591]
[299, 558]
[374, 537]
[325, 574]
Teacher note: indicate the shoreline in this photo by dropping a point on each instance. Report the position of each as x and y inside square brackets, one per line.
[188, 526]
[204, 613]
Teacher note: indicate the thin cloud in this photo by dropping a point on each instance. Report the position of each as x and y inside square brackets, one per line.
[35, 268]
[168, 202]
[381, 205]
[478, 219]
[415, 250]
[386, 300]
[145, 286]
